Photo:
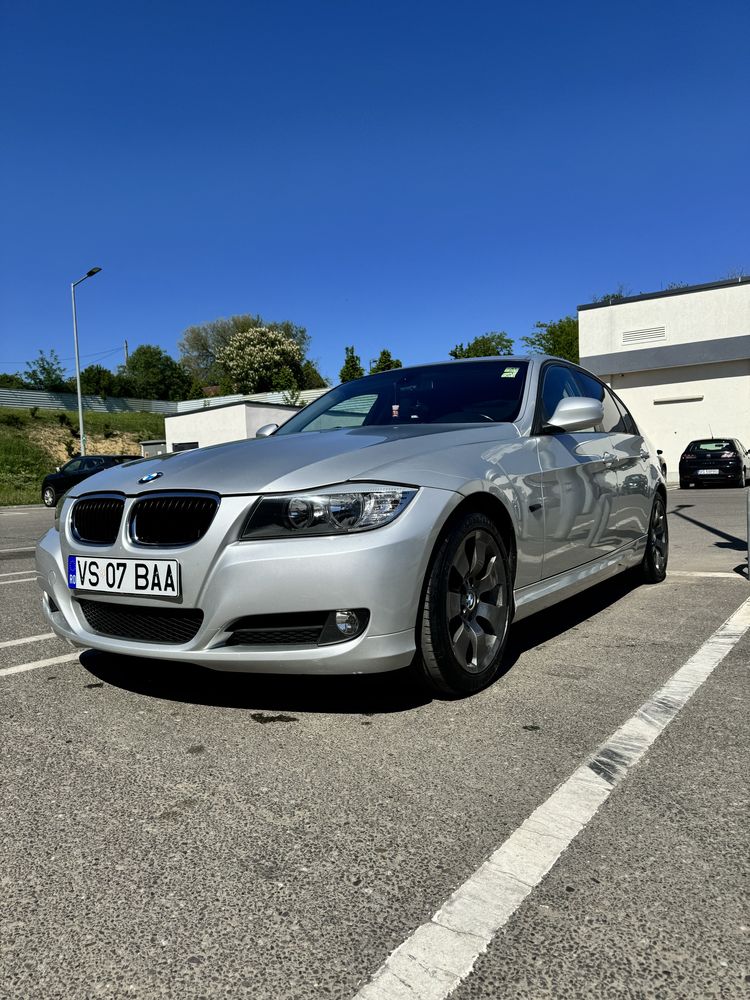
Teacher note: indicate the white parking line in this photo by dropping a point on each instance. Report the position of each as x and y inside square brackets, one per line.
[441, 953]
[15, 552]
[28, 638]
[39, 663]
[28, 579]
[18, 572]
[698, 573]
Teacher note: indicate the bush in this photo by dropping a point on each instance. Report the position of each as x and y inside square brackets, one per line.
[11, 420]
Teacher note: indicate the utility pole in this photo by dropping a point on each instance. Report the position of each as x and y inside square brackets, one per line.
[88, 274]
[126, 352]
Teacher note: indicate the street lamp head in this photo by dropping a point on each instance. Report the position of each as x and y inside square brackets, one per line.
[92, 272]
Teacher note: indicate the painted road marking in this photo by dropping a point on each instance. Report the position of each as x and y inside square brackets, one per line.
[441, 953]
[30, 579]
[15, 552]
[28, 638]
[713, 573]
[39, 663]
[18, 572]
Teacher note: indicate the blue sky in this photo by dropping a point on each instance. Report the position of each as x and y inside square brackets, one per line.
[403, 175]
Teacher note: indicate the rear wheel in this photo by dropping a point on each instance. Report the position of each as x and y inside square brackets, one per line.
[49, 496]
[466, 609]
[656, 556]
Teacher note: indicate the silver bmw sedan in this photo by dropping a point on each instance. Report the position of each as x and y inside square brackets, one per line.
[403, 519]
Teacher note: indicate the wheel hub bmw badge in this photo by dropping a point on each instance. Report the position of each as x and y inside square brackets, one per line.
[150, 477]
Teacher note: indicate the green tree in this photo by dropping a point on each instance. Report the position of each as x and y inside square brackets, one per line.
[311, 377]
[8, 381]
[151, 373]
[620, 293]
[385, 362]
[262, 360]
[96, 380]
[559, 338]
[488, 345]
[201, 345]
[47, 373]
[352, 367]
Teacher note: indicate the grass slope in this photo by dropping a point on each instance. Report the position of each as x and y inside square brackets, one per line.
[32, 443]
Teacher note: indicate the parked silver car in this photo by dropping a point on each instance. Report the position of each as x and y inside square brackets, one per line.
[403, 518]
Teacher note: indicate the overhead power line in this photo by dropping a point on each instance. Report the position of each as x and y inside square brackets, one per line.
[70, 357]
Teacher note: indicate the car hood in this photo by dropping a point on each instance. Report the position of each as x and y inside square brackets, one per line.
[304, 461]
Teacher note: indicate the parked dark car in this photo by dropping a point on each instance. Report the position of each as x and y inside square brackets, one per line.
[714, 460]
[76, 470]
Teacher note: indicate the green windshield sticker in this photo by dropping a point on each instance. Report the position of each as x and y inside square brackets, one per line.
[510, 373]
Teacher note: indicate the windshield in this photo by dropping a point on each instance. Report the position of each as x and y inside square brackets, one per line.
[454, 393]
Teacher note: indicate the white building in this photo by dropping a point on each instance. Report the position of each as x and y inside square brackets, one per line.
[222, 423]
[680, 360]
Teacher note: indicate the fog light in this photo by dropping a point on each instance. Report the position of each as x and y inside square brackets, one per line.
[347, 622]
[344, 625]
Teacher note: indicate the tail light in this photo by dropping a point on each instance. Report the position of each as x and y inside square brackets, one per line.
[686, 457]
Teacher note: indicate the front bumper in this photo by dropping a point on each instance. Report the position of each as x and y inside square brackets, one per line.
[381, 570]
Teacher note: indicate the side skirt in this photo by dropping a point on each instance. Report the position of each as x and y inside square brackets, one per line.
[529, 600]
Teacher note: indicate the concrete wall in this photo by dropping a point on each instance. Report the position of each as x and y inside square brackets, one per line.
[680, 362]
[219, 424]
[674, 407]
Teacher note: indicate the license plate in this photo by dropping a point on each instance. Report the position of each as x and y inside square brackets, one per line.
[708, 472]
[159, 577]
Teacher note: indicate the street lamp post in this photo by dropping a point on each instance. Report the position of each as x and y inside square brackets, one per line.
[88, 274]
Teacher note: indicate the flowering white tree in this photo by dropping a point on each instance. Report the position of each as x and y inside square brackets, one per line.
[262, 360]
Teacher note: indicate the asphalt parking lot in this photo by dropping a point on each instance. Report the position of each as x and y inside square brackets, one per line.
[172, 832]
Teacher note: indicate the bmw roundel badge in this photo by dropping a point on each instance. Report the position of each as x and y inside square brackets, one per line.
[150, 477]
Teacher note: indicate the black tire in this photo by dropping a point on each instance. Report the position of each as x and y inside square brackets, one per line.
[463, 627]
[655, 558]
[49, 497]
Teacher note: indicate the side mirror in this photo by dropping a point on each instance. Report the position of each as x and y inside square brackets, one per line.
[659, 451]
[576, 413]
[266, 430]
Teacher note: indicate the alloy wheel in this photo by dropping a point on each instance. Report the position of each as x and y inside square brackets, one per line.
[476, 609]
[658, 537]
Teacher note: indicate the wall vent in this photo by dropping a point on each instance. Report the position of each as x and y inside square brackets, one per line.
[644, 336]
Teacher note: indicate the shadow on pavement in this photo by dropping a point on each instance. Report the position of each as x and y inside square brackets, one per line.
[730, 541]
[546, 625]
[398, 691]
[180, 682]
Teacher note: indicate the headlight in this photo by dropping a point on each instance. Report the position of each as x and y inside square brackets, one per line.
[333, 511]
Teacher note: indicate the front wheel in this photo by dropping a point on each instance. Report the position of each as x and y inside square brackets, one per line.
[463, 627]
[49, 497]
[656, 556]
